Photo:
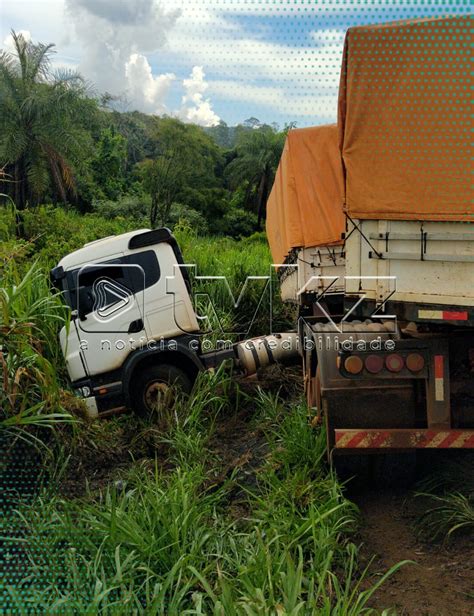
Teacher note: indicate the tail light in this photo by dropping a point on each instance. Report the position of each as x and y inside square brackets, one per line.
[394, 362]
[374, 363]
[415, 362]
[353, 364]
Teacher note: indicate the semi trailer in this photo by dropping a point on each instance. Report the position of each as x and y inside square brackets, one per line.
[371, 224]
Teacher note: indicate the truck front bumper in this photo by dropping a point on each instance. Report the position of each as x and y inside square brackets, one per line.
[100, 399]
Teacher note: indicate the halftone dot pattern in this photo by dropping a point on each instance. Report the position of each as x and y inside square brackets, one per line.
[405, 103]
[405, 120]
[20, 468]
[283, 57]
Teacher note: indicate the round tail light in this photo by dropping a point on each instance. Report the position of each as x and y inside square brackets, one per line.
[353, 364]
[374, 363]
[394, 362]
[415, 362]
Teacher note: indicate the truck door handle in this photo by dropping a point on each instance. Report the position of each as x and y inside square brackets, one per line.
[135, 326]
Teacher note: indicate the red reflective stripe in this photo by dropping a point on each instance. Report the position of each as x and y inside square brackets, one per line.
[356, 439]
[426, 438]
[381, 438]
[439, 366]
[469, 442]
[386, 439]
[445, 443]
[449, 315]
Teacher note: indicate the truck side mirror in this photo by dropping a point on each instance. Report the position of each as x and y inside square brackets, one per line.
[56, 275]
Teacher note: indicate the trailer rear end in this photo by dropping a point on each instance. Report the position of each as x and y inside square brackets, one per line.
[389, 340]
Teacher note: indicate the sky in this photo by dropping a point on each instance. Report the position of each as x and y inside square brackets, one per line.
[210, 60]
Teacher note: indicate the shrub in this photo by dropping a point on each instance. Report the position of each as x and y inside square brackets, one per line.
[128, 206]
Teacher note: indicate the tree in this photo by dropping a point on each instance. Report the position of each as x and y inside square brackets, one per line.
[258, 152]
[42, 140]
[161, 180]
[109, 163]
[185, 158]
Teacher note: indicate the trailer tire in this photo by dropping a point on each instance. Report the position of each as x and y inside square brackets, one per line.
[155, 389]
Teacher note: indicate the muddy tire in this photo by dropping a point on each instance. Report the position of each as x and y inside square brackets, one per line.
[155, 389]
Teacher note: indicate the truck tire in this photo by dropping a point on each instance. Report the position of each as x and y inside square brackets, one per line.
[155, 389]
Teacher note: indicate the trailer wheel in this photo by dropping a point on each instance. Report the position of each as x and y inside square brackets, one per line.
[155, 389]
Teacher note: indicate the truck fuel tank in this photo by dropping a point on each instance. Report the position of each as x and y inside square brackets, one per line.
[259, 352]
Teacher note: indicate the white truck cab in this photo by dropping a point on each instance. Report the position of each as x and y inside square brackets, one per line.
[133, 333]
[129, 302]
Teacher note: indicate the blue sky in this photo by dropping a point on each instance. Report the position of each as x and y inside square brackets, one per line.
[205, 60]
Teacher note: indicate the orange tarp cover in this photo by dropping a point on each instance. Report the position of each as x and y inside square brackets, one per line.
[405, 120]
[305, 205]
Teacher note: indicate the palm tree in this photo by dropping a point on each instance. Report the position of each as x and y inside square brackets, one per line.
[258, 153]
[42, 142]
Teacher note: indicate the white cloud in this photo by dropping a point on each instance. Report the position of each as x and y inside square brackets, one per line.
[116, 34]
[133, 47]
[320, 103]
[195, 108]
[147, 91]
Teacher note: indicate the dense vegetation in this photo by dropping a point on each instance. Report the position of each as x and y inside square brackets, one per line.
[61, 144]
[175, 527]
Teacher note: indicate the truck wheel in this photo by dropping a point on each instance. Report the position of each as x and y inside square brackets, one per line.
[155, 389]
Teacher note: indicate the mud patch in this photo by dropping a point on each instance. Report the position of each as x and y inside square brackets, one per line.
[441, 583]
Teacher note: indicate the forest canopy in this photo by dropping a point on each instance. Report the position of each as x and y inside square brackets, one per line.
[62, 143]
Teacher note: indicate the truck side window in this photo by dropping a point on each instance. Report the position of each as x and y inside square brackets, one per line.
[129, 279]
[148, 275]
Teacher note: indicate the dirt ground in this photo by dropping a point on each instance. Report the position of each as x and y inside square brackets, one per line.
[441, 583]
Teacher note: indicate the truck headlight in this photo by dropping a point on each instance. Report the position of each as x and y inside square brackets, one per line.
[84, 392]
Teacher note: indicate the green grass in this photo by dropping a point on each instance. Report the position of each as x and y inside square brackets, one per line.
[449, 494]
[176, 540]
[31, 365]
[176, 534]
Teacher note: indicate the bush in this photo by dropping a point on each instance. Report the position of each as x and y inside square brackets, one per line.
[238, 223]
[128, 206]
[195, 219]
[57, 231]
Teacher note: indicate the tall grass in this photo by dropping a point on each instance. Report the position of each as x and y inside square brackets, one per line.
[249, 303]
[169, 541]
[30, 317]
[173, 537]
[31, 365]
[449, 494]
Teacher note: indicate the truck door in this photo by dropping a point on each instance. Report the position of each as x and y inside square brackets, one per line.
[169, 311]
[109, 299]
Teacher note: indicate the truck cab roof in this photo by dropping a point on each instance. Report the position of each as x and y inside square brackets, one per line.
[99, 249]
